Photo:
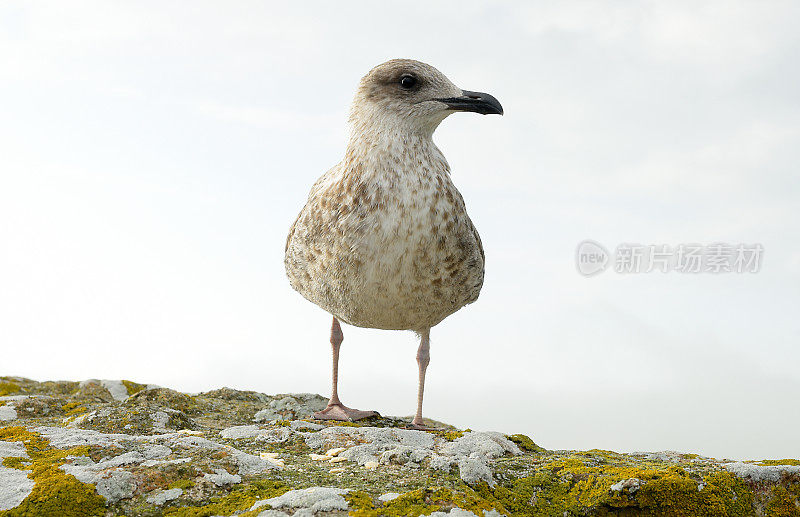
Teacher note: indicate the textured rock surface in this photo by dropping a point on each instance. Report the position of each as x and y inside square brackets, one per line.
[104, 447]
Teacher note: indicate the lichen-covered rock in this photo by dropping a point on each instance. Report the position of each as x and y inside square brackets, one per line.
[105, 447]
[293, 406]
[313, 500]
[14, 484]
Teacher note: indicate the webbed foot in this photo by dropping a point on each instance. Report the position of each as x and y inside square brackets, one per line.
[343, 413]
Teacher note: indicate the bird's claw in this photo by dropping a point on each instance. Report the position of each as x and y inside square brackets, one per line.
[343, 413]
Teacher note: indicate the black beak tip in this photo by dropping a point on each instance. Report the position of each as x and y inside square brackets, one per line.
[477, 102]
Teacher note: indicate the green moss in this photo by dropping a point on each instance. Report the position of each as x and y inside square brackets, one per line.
[411, 504]
[525, 443]
[573, 486]
[132, 387]
[18, 463]
[184, 484]
[73, 408]
[7, 388]
[780, 462]
[238, 501]
[452, 435]
[423, 501]
[54, 491]
[782, 504]
[359, 501]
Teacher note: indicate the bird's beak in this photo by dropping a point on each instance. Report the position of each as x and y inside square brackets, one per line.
[478, 102]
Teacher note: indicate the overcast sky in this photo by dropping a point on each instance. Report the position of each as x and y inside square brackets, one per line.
[153, 156]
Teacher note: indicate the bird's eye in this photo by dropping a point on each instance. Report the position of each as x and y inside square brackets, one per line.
[408, 81]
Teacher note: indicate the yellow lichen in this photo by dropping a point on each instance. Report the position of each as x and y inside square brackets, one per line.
[132, 387]
[15, 462]
[780, 462]
[782, 504]
[7, 388]
[525, 443]
[238, 501]
[73, 408]
[423, 501]
[54, 492]
[452, 435]
[184, 484]
[574, 487]
[359, 500]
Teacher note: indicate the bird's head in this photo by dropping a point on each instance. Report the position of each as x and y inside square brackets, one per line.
[410, 95]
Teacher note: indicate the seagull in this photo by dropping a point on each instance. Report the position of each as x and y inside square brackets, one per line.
[384, 240]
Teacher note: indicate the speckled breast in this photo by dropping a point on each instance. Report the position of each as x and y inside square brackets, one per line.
[389, 253]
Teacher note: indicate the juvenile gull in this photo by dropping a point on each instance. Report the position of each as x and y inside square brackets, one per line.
[384, 240]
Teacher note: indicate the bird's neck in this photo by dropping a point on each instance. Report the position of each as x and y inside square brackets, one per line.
[390, 146]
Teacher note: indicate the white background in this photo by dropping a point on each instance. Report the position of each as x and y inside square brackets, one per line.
[153, 156]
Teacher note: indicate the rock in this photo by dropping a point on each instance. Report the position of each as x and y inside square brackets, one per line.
[116, 388]
[278, 435]
[15, 485]
[240, 431]
[630, 484]
[763, 473]
[90, 447]
[222, 477]
[93, 390]
[484, 444]
[162, 496]
[301, 425]
[115, 485]
[7, 413]
[314, 499]
[293, 406]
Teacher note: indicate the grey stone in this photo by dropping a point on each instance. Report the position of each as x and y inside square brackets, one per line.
[314, 499]
[222, 477]
[293, 406]
[631, 484]
[15, 485]
[301, 425]
[481, 443]
[473, 470]
[7, 413]
[760, 473]
[115, 484]
[279, 435]
[240, 431]
[162, 496]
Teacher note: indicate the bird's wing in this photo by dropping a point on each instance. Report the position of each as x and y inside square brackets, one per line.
[323, 181]
[320, 184]
[291, 232]
[477, 239]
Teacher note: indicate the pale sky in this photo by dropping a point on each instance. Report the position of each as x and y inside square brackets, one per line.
[153, 156]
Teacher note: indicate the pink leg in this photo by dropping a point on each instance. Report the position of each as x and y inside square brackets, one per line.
[423, 358]
[336, 410]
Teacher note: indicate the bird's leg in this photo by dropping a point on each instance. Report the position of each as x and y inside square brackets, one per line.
[335, 409]
[423, 358]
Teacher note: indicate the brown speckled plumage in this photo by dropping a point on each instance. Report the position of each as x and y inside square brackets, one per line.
[384, 240]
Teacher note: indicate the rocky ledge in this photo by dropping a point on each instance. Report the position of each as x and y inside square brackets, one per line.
[103, 447]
